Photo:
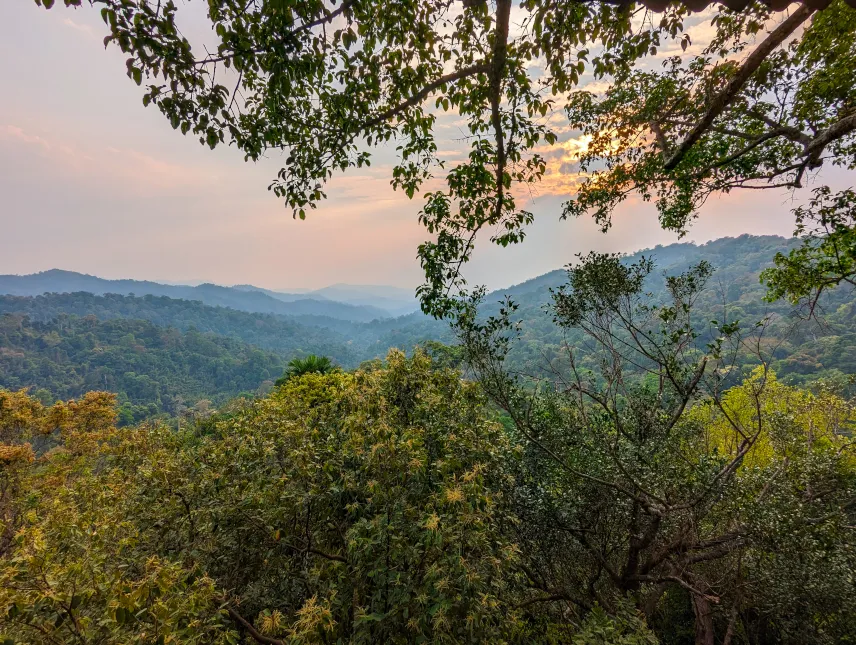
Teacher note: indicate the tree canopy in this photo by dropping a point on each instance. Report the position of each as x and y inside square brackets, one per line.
[312, 364]
[769, 99]
[391, 505]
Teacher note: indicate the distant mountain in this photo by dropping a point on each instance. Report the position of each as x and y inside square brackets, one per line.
[397, 300]
[279, 295]
[32, 328]
[253, 299]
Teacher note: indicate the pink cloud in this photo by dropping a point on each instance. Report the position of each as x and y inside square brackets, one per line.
[118, 164]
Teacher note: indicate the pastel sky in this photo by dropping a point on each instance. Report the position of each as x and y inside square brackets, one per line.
[92, 181]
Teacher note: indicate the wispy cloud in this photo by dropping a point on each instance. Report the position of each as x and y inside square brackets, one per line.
[82, 29]
[14, 133]
[125, 165]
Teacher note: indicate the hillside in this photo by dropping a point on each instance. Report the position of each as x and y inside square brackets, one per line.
[242, 298]
[799, 351]
[153, 369]
[280, 334]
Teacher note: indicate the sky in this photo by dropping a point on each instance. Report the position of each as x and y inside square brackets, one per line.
[92, 181]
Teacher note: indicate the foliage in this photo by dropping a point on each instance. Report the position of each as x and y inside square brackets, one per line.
[387, 505]
[625, 628]
[734, 115]
[827, 256]
[312, 364]
[346, 342]
[366, 507]
[643, 476]
[73, 568]
[152, 369]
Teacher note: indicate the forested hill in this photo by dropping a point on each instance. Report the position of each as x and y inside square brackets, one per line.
[798, 351]
[153, 369]
[280, 334]
[346, 342]
[241, 298]
[739, 259]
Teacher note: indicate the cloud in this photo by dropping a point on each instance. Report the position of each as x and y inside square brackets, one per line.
[84, 30]
[118, 165]
[11, 132]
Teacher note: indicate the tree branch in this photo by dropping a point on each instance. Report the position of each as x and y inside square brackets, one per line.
[727, 95]
[837, 130]
[251, 630]
[500, 50]
[323, 20]
[422, 94]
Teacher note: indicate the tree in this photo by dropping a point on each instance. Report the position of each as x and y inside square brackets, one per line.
[312, 364]
[662, 473]
[325, 82]
[737, 115]
[827, 256]
[365, 507]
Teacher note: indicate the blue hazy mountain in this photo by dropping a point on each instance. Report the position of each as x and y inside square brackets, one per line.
[249, 299]
[396, 300]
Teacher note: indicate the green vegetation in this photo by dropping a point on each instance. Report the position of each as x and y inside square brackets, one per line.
[310, 365]
[364, 507]
[827, 256]
[287, 336]
[800, 351]
[153, 369]
[646, 476]
[651, 480]
[798, 348]
[389, 505]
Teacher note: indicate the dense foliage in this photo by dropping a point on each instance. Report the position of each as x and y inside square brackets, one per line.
[312, 364]
[387, 505]
[827, 256]
[152, 369]
[727, 510]
[361, 507]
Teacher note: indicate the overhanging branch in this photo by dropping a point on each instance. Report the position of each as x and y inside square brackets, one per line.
[422, 94]
[749, 67]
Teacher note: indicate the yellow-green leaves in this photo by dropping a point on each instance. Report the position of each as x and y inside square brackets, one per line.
[355, 507]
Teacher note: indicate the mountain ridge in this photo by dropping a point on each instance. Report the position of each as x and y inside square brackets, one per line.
[256, 300]
[800, 354]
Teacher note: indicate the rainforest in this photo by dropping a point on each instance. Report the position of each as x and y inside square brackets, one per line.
[460, 423]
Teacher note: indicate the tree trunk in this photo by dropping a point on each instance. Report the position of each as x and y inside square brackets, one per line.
[703, 621]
